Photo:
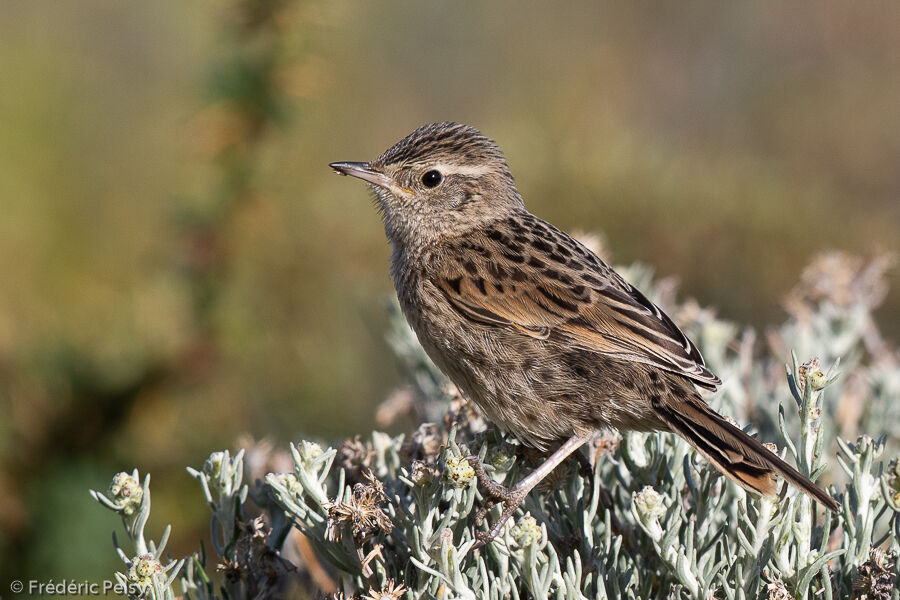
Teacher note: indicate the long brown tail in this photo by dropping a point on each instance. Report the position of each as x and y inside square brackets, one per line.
[739, 456]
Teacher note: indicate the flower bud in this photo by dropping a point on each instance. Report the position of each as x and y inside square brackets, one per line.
[421, 474]
[309, 451]
[501, 458]
[458, 472]
[143, 569]
[864, 444]
[212, 467]
[527, 532]
[811, 371]
[650, 504]
[290, 482]
[126, 493]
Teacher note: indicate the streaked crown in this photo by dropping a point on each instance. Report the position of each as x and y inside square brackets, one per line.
[429, 142]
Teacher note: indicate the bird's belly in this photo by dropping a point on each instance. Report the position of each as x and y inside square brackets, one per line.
[538, 391]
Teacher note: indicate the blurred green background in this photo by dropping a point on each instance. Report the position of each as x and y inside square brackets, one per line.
[180, 267]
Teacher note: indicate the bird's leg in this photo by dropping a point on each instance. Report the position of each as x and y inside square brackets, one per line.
[513, 497]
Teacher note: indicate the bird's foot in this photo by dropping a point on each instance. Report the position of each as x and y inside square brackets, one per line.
[494, 493]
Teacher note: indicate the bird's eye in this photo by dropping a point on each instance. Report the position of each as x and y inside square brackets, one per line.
[432, 179]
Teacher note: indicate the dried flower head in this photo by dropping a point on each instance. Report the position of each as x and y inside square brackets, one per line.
[126, 493]
[362, 512]
[389, 591]
[373, 487]
[776, 590]
[874, 579]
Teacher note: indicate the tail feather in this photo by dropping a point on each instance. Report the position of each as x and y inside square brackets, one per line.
[739, 456]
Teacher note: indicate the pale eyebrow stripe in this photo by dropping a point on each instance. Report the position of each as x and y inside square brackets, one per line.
[467, 170]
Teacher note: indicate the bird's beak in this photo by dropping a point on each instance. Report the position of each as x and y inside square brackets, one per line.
[363, 171]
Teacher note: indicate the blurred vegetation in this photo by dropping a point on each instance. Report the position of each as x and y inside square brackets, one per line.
[175, 252]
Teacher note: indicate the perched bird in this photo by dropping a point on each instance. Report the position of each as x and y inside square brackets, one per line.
[548, 340]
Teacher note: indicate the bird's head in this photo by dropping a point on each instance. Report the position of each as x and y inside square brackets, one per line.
[441, 180]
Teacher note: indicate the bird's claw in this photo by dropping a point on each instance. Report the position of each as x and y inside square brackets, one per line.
[494, 493]
[482, 539]
[492, 490]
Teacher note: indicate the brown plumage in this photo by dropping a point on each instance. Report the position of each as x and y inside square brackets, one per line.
[531, 325]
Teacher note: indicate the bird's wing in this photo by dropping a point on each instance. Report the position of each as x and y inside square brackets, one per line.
[572, 301]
